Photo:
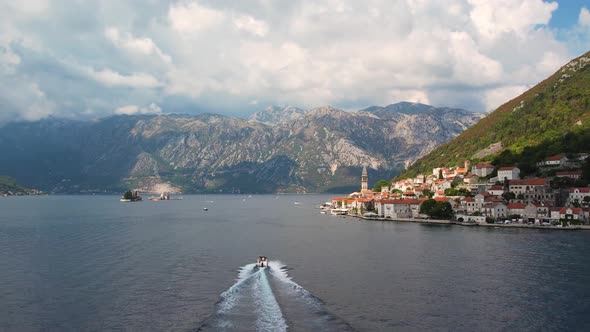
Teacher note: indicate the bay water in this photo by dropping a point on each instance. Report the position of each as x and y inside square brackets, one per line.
[90, 263]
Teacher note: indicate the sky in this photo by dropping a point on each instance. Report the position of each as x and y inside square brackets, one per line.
[90, 59]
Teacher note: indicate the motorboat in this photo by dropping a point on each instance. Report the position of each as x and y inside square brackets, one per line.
[339, 211]
[205, 209]
[262, 261]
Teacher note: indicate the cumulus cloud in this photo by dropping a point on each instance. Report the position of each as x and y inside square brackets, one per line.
[134, 109]
[112, 78]
[251, 25]
[145, 46]
[193, 17]
[205, 55]
[584, 18]
[494, 18]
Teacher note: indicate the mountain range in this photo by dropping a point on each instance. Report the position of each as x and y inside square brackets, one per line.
[279, 149]
[551, 118]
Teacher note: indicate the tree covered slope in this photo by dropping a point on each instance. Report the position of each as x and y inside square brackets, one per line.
[552, 117]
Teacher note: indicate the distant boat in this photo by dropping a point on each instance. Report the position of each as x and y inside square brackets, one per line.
[296, 203]
[164, 197]
[130, 196]
[205, 209]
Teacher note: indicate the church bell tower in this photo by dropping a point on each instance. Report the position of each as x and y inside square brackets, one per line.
[364, 179]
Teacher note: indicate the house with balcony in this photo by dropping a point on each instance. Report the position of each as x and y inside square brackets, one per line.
[530, 190]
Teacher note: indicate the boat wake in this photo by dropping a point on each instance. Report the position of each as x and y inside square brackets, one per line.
[267, 299]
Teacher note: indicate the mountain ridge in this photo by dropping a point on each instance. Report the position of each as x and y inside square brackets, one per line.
[317, 150]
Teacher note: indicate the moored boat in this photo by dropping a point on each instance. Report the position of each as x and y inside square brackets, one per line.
[339, 211]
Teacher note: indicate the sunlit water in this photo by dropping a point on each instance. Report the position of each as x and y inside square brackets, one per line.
[92, 263]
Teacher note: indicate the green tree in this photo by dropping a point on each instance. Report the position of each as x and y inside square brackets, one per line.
[508, 196]
[381, 183]
[440, 174]
[427, 193]
[442, 210]
[427, 206]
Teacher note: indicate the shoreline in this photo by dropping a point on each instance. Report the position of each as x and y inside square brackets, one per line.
[473, 224]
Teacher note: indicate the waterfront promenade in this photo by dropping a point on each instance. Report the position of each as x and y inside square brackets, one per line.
[473, 224]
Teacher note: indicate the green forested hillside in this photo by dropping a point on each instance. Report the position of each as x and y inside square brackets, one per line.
[553, 117]
[8, 184]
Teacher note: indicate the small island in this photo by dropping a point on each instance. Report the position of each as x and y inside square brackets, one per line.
[131, 196]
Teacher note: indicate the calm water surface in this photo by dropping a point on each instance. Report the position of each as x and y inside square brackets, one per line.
[71, 263]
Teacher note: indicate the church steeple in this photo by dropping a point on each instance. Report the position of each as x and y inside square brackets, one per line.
[364, 179]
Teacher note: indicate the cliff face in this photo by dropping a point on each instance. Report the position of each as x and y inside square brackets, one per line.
[278, 149]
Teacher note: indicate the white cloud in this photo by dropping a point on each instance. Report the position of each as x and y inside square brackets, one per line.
[190, 55]
[250, 24]
[495, 98]
[493, 18]
[134, 109]
[415, 96]
[192, 17]
[145, 46]
[112, 78]
[584, 18]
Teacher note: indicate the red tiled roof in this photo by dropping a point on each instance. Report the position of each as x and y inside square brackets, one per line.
[513, 206]
[528, 182]
[508, 168]
[441, 199]
[496, 188]
[569, 173]
[468, 199]
[555, 158]
[340, 198]
[584, 190]
[484, 166]
[401, 201]
[364, 200]
[563, 210]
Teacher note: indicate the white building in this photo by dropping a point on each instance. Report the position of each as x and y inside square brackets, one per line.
[398, 208]
[577, 195]
[508, 173]
[495, 210]
[482, 170]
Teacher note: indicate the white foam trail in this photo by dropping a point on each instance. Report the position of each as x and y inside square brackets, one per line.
[269, 315]
[278, 271]
[230, 297]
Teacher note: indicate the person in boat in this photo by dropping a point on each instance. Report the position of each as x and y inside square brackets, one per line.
[261, 261]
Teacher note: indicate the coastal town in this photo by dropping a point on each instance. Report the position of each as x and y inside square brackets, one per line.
[480, 194]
